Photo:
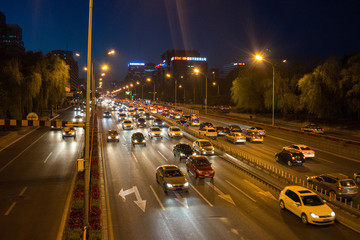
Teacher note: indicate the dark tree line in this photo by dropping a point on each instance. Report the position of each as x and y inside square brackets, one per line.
[330, 90]
[31, 83]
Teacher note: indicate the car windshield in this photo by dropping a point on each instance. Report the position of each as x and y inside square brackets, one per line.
[113, 132]
[173, 173]
[175, 129]
[185, 147]
[155, 129]
[211, 130]
[127, 121]
[347, 183]
[312, 200]
[305, 148]
[205, 144]
[202, 162]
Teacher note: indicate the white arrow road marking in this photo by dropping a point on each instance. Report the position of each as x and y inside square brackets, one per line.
[47, 158]
[260, 191]
[181, 200]
[224, 196]
[162, 156]
[207, 201]
[240, 190]
[139, 202]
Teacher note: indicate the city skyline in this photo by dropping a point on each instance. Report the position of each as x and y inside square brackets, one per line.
[223, 32]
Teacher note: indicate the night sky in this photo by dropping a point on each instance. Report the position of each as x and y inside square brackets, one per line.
[224, 31]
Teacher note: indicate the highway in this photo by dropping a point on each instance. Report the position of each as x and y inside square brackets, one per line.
[35, 178]
[232, 206]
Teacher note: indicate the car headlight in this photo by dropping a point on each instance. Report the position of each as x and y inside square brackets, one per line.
[181, 133]
[186, 184]
[169, 185]
[74, 120]
[117, 137]
[64, 133]
[109, 137]
[135, 141]
[143, 141]
[152, 134]
[313, 215]
[182, 155]
[72, 133]
[332, 214]
[131, 125]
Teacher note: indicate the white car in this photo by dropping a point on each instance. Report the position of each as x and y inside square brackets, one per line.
[208, 132]
[127, 124]
[155, 132]
[307, 205]
[203, 147]
[174, 132]
[305, 150]
[78, 119]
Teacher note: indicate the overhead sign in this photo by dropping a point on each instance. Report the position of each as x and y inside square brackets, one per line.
[32, 116]
[197, 59]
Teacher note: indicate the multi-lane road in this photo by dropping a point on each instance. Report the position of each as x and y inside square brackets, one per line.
[36, 174]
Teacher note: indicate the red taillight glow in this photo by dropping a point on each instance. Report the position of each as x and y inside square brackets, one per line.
[339, 188]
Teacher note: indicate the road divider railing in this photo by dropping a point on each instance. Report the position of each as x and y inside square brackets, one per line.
[273, 171]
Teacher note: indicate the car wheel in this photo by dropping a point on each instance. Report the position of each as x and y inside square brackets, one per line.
[277, 158]
[282, 205]
[157, 179]
[165, 190]
[289, 163]
[304, 218]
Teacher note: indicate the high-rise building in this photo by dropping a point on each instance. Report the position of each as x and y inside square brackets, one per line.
[10, 37]
[227, 68]
[68, 57]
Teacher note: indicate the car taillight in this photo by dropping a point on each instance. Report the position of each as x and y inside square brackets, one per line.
[339, 188]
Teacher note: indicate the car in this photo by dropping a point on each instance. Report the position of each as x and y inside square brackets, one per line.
[235, 128]
[107, 115]
[200, 167]
[155, 132]
[171, 178]
[205, 125]
[77, 108]
[141, 111]
[313, 128]
[182, 150]
[112, 135]
[290, 157]
[259, 130]
[122, 116]
[203, 147]
[148, 116]
[208, 132]
[222, 131]
[357, 177]
[174, 132]
[135, 116]
[141, 122]
[254, 137]
[138, 138]
[183, 122]
[158, 123]
[127, 124]
[78, 119]
[68, 132]
[130, 111]
[308, 153]
[307, 205]
[236, 137]
[335, 184]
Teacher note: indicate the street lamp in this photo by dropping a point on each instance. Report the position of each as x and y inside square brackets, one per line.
[169, 76]
[260, 58]
[218, 87]
[149, 80]
[197, 71]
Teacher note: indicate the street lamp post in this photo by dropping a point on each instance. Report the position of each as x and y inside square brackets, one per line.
[197, 71]
[218, 88]
[169, 76]
[258, 57]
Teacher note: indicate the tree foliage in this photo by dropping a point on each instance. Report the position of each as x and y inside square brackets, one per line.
[31, 83]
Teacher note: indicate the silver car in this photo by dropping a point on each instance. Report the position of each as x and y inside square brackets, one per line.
[203, 147]
[335, 184]
[171, 178]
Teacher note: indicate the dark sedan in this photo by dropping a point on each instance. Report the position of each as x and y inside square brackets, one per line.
[138, 138]
[182, 150]
[290, 157]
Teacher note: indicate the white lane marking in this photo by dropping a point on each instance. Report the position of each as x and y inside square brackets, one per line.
[240, 190]
[207, 201]
[134, 157]
[157, 198]
[162, 156]
[322, 159]
[22, 191]
[20, 153]
[259, 190]
[18, 139]
[47, 158]
[124, 138]
[10, 208]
